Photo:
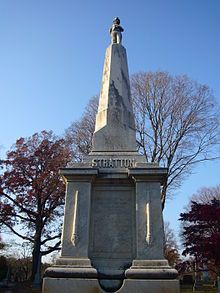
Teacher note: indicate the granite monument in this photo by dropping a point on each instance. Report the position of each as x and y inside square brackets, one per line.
[113, 235]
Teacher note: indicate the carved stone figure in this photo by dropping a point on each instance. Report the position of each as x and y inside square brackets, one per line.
[115, 31]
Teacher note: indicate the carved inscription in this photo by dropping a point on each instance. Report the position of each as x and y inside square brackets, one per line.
[113, 163]
[112, 223]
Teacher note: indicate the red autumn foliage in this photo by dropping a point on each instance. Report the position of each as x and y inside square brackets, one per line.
[201, 232]
[32, 192]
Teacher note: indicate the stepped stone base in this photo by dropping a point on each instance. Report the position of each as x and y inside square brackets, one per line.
[57, 285]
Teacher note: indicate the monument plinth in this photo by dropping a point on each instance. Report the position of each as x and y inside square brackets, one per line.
[113, 236]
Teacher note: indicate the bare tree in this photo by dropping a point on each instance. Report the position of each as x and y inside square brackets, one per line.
[177, 123]
[79, 134]
[170, 246]
[206, 194]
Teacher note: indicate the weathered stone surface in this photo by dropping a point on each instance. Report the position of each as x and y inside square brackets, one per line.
[115, 129]
[75, 237]
[58, 285]
[71, 272]
[149, 222]
[151, 273]
[112, 208]
[112, 245]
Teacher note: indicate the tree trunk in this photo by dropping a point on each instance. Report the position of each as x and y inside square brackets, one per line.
[37, 277]
[218, 283]
[163, 194]
[36, 257]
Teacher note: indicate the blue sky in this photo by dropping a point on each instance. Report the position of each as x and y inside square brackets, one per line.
[52, 54]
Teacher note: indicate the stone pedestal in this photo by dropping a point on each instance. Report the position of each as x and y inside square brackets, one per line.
[93, 286]
[113, 229]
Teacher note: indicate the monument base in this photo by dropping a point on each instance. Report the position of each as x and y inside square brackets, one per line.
[64, 285]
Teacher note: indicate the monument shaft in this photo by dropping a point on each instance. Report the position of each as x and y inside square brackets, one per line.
[115, 129]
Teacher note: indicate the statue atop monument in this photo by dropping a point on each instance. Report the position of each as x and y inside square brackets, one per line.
[115, 31]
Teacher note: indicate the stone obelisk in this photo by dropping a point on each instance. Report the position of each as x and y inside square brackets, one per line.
[113, 236]
[115, 129]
